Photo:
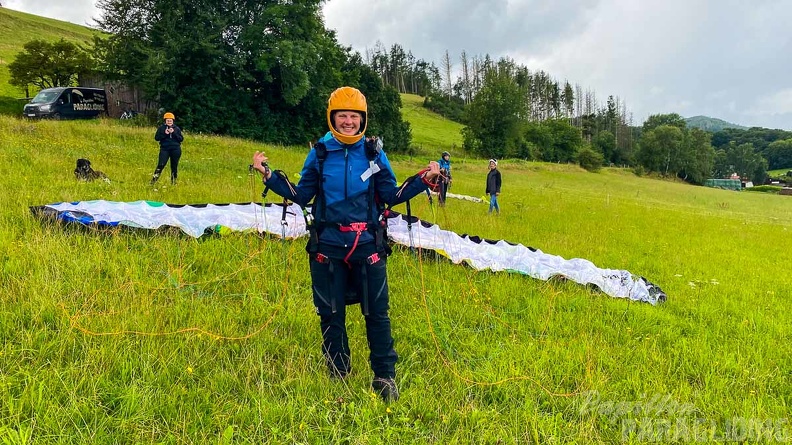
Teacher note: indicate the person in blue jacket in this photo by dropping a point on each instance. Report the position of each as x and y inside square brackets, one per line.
[349, 179]
[445, 177]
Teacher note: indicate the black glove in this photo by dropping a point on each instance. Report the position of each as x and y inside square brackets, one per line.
[373, 145]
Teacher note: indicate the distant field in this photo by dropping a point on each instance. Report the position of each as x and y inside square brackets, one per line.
[226, 348]
[779, 172]
[431, 132]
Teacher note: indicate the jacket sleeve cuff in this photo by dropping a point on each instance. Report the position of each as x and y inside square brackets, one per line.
[426, 181]
[272, 179]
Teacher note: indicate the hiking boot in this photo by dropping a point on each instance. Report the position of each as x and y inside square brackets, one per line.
[386, 388]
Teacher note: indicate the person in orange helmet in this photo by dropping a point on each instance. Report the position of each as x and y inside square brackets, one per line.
[350, 180]
[170, 137]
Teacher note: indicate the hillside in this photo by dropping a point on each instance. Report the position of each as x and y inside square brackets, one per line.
[18, 28]
[133, 336]
[430, 132]
[710, 124]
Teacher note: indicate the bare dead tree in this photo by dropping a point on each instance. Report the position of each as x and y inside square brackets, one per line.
[466, 87]
[447, 66]
[578, 105]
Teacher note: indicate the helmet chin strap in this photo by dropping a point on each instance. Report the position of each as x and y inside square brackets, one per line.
[346, 138]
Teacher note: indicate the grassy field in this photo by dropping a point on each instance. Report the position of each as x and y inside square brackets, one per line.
[778, 173]
[132, 336]
[431, 133]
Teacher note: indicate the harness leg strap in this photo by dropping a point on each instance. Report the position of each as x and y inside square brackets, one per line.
[330, 281]
[364, 300]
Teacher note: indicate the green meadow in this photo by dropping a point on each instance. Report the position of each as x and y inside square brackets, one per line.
[431, 133]
[134, 336]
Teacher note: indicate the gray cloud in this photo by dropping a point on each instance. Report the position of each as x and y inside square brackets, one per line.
[428, 29]
[80, 12]
[723, 59]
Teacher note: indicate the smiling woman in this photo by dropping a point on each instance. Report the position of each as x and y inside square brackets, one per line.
[349, 180]
[347, 122]
[346, 114]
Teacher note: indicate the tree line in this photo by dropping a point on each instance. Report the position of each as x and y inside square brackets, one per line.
[263, 69]
[510, 111]
[258, 69]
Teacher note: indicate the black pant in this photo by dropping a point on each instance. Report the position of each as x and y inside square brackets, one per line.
[441, 195]
[165, 154]
[364, 279]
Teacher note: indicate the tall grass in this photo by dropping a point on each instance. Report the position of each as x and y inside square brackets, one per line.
[129, 336]
[431, 133]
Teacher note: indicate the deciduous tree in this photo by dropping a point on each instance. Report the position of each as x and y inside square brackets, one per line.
[260, 69]
[493, 126]
[779, 154]
[46, 65]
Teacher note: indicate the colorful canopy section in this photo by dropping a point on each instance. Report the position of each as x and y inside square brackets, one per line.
[288, 222]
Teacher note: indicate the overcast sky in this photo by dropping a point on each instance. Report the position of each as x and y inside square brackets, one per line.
[728, 59]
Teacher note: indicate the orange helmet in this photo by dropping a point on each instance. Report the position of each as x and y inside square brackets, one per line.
[168, 115]
[350, 99]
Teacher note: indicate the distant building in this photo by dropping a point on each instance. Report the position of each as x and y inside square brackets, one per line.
[120, 96]
[726, 184]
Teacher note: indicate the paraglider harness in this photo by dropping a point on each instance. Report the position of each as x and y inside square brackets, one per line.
[376, 223]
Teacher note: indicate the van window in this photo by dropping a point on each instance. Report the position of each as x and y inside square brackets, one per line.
[77, 96]
[45, 97]
[88, 100]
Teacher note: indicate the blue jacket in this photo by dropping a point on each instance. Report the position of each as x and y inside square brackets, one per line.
[346, 189]
[446, 165]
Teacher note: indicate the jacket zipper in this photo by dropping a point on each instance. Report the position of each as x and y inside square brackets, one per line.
[346, 173]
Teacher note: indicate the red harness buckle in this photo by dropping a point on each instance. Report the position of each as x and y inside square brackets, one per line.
[358, 228]
[373, 258]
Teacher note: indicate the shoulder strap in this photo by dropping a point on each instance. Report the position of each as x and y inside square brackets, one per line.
[321, 152]
[321, 155]
[373, 148]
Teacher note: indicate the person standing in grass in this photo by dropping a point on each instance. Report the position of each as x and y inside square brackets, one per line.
[349, 179]
[493, 185]
[170, 138]
[445, 177]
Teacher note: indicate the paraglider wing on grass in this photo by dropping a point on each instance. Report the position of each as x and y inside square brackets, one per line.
[496, 255]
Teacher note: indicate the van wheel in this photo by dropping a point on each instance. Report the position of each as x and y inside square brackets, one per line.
[56, 116]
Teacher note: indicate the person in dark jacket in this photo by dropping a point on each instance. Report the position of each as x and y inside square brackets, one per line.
[493, 185]
[445, 177]
[349, 178]
[170, 138]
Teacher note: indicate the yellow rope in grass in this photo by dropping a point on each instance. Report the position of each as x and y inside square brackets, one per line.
[451, 366]
[73, 322]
